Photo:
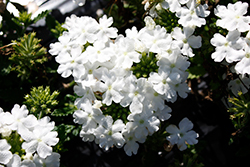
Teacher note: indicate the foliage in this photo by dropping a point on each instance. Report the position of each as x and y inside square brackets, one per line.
[28, 54]
[54, 26]
[240, 113]
[41, 101]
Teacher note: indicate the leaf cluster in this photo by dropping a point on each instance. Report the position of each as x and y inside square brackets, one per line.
[240, 113]
[40, 101]
[28, 53]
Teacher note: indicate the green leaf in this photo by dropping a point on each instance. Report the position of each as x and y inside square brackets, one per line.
[41, 15]
[28, 54]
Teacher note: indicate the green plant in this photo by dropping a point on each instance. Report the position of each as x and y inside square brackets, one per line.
[41, 101]
[27, 56]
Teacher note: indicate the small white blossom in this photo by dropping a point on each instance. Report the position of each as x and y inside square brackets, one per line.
[106, 32]
[182, 134]
[109, 133]
[232, 17]
[229, 47]
[51, 161]
[193, 15]
[5, 154]
[40, 139]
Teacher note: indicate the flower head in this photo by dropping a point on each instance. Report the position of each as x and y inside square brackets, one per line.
[182, 134]
[232, 17]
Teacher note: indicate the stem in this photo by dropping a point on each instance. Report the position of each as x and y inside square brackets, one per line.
[5, 46]
[40, 115]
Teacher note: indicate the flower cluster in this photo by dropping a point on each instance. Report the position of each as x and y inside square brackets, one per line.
[233, 48]
[191, 13]
[26, 140]
[103, 65]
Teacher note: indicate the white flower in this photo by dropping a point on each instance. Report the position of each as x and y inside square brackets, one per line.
[40, 139]
[87, 135]
[16, 162]
[64, 45]
[112, 87]
[133, 94]
[243, 66]
[20, 120]
[99, 52]
[88, 94]
[152, 99]
[164, 82]
[131, 146]
[89, 116]
[174, 63]
[163, 114]
[45, 122]
[71, 63]
[150, 23]
[84, 30]
[232, 17]
[105, 31]
[156, 40]
[5, 121]
[143, 124]
[182, 134]
[109, 133]
[70, 22]
[51, 161]
[185, 40]
[189, 15]
[125, 53]
[236, 85]
[5, 154]
[172, 5]
[229, 47]
[134, 34]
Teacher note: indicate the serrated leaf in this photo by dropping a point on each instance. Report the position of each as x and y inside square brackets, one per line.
[41, 15]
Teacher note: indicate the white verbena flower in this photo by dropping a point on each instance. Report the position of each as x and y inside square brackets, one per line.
[193, 15]
[20, 120]
[172, 5]
[106, 32]
[17, 162]
[51, 161]
[125, 53]
[40, 140]
[63, 45]
[112, 87]
[84, 30]
[232, 17]
[243, 66]
[185, 40]
[182, 134]
[89, 116]
[131, 146]
[109, 133]
[71, 63]
[143, 124]
[5, 154]
[229, 47]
